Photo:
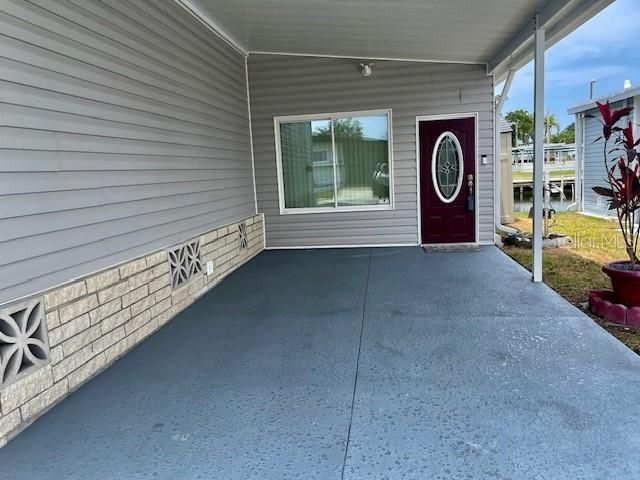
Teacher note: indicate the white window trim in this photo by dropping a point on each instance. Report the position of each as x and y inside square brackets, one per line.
[332, 116]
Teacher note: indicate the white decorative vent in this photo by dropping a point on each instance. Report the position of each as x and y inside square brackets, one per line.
[184, 263]
[24, 343]
[243, 241]
[193, 258]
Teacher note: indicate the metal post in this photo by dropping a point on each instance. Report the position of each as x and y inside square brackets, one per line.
[538, 153]
[547, 204]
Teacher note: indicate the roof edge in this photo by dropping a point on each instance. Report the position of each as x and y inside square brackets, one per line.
[613, 97]
[559, 19]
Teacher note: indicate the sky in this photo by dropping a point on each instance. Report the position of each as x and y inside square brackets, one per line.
[375, 126]
[606, 49]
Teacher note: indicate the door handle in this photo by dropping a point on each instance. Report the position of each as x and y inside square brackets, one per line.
[470, 198]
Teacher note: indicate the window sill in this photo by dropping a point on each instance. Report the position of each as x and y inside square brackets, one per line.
[367, 208]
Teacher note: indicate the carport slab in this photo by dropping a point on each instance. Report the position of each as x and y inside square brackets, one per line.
[461, 368]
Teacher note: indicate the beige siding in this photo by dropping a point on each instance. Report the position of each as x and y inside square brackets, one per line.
[124, 129]
[287, 85]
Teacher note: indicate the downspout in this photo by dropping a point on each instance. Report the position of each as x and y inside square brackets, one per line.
[580, 176]
[579, 141]
[497, 160]
[636, 114]
[253, 160]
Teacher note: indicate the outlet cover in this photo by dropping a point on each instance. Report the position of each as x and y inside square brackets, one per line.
[210, 267]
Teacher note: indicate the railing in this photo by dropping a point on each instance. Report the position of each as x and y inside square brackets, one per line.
[557, 156]
[548, 166]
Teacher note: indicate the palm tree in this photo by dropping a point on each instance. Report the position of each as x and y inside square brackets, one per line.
[550, 124]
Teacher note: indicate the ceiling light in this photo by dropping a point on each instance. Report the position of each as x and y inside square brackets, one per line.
[366, 69]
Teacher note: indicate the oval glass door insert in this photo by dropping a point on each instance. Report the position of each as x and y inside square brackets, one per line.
[447, 165]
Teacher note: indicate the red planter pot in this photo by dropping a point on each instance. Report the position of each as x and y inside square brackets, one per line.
[626, 283]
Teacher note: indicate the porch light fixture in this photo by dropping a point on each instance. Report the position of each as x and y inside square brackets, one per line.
[366, 69]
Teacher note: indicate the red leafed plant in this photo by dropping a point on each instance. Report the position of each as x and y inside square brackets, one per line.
[622, 164]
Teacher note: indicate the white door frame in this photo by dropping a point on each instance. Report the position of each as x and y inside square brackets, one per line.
[453, 116]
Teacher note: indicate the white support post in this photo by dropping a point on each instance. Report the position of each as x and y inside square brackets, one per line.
[538, 150]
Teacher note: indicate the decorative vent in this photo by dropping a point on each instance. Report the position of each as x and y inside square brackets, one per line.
[24, 343]
[184, 263]
[193, 258]
[243, 241]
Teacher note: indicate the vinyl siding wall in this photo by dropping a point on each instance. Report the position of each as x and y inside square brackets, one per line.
[124, 129]
[594, 172]
[288, 85]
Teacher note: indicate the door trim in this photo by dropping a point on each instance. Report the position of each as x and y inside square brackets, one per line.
[453, 116]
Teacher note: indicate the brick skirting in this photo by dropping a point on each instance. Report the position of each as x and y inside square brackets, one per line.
[91, 322]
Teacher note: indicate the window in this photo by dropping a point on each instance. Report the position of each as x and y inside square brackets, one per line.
[334, 162]
[447, 167]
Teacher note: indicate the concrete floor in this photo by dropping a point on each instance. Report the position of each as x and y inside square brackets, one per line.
[355, 364]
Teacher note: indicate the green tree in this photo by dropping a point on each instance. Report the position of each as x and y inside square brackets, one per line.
[550, 124]
[568, 135]
[522, 123]
[342, 128]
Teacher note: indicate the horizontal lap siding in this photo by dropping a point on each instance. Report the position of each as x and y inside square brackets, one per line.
[286, 85]
[594, 171]
[124, 129]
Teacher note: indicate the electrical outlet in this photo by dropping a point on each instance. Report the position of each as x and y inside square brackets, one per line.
[210, 267]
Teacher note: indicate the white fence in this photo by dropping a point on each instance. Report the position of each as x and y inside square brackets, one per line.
[548, 166]
[557, 156]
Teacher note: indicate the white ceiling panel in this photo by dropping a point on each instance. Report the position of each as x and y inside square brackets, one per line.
[473, 31]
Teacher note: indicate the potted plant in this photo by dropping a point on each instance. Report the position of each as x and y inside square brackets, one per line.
[622, 166]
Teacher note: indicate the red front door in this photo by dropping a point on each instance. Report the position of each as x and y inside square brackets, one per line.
[447, 167]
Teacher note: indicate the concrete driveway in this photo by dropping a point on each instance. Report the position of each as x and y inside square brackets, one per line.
[355, 364]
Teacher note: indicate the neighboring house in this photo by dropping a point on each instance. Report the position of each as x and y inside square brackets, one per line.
[151, 148]
[506, 172]
[590, 170]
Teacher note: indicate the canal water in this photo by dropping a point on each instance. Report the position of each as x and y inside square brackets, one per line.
[557, 203]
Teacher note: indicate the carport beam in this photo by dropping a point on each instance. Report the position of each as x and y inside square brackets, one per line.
[538, 149]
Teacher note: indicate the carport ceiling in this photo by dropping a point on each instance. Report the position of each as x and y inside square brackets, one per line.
[469, 31]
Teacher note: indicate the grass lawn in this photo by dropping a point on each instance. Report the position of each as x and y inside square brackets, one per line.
[554, 175]
[574, 270]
